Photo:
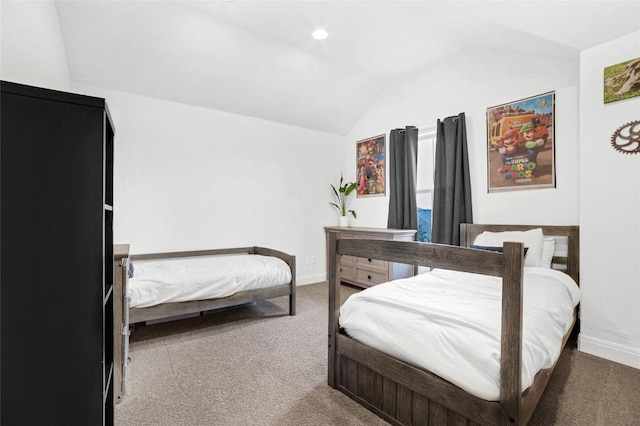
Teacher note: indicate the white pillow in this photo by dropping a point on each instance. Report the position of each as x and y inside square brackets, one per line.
[548, 248]
[533, 239]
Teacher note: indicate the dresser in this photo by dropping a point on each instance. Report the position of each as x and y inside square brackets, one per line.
[56, 268]
[363, 272]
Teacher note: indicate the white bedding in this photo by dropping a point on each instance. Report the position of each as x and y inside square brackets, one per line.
[202, 277]
[448, 322]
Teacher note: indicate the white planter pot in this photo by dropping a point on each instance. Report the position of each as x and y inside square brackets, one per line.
[344, 220]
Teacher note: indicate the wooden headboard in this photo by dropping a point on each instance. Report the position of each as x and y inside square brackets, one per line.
[569, 262]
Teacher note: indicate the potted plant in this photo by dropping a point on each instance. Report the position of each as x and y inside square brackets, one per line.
[343, 195]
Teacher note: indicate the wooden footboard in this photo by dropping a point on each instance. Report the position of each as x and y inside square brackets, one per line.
[402, 394]
[166, 310]
[405, 395]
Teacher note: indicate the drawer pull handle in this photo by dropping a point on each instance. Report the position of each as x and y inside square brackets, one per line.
[368, 277]
[369, 260]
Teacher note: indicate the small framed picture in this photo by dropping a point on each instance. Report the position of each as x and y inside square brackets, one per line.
[370, 166]
[622, 81]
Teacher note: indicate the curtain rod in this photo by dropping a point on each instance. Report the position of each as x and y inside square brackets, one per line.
[404, 129]
[428, 126]
[425, 128]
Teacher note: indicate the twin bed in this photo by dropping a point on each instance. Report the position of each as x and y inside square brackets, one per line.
[473, 341]
[163, 285]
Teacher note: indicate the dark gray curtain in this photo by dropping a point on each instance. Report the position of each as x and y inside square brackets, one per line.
[452, 184]
[403, 162]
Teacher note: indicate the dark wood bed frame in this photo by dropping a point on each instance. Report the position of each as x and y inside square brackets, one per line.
[405, 395]
[166, 310]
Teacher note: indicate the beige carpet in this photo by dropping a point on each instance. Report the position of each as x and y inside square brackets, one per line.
[256, 365]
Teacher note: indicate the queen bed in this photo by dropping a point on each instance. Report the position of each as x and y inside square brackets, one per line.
[473, 341]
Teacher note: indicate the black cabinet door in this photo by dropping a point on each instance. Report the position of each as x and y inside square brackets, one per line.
[51, 232]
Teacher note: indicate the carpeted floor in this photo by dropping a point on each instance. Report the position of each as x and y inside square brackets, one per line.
[256, 365]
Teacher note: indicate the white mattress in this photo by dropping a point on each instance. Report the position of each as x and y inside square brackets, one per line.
[202, 277]
[448, 322]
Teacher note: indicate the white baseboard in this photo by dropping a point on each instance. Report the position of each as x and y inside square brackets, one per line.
[616, 352]
[310, 279]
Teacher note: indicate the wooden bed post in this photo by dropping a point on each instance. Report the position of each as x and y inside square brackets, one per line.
[333, 278]
[292, 296]
[573, 262]
[463, 235]
[511, 342]
[289, 260]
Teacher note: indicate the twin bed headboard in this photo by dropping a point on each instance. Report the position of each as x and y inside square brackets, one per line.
[567, 252]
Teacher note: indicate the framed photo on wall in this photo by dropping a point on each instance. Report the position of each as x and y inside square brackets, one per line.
[370, 166]
[622, 81]
[521, 144]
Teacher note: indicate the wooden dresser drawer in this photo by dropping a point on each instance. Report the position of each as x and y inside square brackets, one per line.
[362, 261]
[371, 277]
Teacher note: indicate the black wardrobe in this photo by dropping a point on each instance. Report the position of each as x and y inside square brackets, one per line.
[56, 258]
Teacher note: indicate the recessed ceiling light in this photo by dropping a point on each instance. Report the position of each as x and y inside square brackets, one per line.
[320, 34]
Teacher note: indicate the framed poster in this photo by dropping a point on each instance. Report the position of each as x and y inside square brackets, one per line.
[370, 166]
[622, 81]
[520, 144]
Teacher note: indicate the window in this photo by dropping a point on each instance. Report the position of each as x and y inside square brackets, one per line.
[424, 186]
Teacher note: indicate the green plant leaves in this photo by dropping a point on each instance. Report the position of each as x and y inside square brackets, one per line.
[343, 196]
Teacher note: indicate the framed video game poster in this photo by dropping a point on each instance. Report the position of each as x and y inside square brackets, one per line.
[521, 144]
[370, 166]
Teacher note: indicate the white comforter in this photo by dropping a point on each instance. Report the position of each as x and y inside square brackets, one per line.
[202, 277]
[448, 322]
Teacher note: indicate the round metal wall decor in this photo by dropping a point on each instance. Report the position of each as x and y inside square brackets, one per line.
[627, 138]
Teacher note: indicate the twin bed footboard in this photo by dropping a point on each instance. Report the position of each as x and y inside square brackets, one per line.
[402, 394]
[405, 395]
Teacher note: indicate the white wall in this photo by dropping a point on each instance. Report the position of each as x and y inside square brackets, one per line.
[189, 178]
[609, 213]
[471, 82]
[31, 47]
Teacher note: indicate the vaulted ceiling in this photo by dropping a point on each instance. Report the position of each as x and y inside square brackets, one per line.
[258, 58]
